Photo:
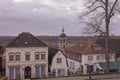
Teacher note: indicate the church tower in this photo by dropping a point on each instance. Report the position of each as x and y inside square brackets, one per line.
[62, 40]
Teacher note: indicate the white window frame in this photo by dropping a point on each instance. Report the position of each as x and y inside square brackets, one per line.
[27, 53]
[18, 53]
[90, 57]
[11, 54]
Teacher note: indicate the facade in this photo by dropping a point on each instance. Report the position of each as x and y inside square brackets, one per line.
[86, 53]
[26, 57]
[57, 62]
[62, 41]
[2, 63]
[74, 66]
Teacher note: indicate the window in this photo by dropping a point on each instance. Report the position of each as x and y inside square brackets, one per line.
[11, 57]
[61, 72]
[42, 56]
[103, 57]
[98, 57]
[14, 72]
[90, 58]
[17, 57]
[11, 72]
[27, 57]
[59, 60]
[63, 40]
[17, 71]
[37, 71]
[37, 56]
[40, 71]
[72, 65]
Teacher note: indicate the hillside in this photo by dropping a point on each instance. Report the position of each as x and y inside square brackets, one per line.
[49, 40]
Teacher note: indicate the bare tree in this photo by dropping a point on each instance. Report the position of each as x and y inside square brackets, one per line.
[100, 14]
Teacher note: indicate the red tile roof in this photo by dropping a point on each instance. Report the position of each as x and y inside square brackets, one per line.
[87, 47]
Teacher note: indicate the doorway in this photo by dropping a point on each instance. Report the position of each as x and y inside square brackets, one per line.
[27, 72]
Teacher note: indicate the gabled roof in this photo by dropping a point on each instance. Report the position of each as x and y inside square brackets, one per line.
[87, 47]
[51, 53]
[26, 39]
[113, 65]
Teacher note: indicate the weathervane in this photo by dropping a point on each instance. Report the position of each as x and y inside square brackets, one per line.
[63, 30]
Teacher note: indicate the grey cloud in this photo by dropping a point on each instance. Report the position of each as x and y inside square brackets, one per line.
[39, 18]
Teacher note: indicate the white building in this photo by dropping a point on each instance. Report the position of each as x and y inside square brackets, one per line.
[26, 57]
[86, 53]
[57, 62]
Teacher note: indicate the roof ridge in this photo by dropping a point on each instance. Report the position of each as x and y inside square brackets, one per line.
[30, 40]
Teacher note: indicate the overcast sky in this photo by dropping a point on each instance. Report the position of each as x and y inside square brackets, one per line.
[41, 17]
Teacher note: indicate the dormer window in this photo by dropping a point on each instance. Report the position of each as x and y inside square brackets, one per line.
[26, 42]
[81, 45]
[96, 47]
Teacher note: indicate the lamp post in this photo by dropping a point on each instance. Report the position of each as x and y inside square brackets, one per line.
[90, 75]
[90, 67]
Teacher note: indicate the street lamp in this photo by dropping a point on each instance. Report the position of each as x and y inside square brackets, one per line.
[90, 74]
[90, 58]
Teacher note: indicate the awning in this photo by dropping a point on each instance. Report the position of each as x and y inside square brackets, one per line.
[113, 65]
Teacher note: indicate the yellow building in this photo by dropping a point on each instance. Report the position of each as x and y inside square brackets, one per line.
[62, 40]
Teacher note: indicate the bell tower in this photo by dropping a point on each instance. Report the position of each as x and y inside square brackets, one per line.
[62, 40]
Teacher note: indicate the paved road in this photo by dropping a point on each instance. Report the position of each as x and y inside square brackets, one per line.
[111, 79]
[97, 77]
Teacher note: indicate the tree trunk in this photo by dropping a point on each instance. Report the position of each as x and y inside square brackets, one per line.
[107, 36]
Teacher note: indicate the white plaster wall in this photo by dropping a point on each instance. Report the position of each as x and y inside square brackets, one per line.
[23, 63]
[57, 66]
[86, 61]
[92, 62]
[76, 65]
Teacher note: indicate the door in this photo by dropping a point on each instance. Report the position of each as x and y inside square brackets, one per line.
[27, 73]
[61, 72]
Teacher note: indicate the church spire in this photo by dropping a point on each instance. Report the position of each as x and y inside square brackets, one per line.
[63, 30]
